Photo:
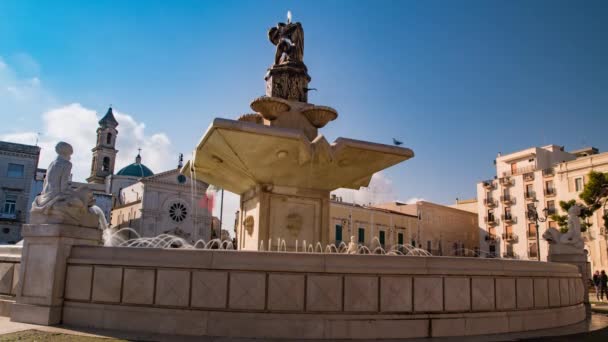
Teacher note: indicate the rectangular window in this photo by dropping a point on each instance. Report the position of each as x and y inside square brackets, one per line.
[532, 230]
[428, 246]
[578, 184]
[551, 207]
[15, 171]
[9, 204]
[414, 243]
[361, 235]
[549, 185]
[338, 234]
[400, 238]
[381, 237]
[552, 224]
[529, 190]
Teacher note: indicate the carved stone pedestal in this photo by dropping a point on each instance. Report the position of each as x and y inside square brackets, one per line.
[46, 248]
[286, 213]
[569, 255]
[289, 82]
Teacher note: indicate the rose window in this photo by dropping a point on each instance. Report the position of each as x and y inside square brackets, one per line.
[178, 212]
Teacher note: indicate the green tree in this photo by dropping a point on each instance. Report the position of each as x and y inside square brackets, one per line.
[594, 195]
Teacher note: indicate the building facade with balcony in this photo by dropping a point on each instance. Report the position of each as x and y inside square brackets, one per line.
[18, 166]
[524, 180]
[571, 178]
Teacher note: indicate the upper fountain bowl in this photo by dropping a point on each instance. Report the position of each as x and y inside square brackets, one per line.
[270, 107]
[319, 116]
[253, 117]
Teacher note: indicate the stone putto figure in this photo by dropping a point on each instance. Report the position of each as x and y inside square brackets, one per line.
[289, 40]
[57, 203]
[353, 246]
[570, 240]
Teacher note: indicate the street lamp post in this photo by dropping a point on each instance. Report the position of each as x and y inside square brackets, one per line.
[533, 216]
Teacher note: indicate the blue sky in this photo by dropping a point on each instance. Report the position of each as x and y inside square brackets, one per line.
[456, 81]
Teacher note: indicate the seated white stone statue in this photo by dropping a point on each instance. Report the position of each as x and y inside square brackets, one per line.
[57, 203]
[571, 241]
[353, 246]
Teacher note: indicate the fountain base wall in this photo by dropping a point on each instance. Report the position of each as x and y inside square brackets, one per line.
[321, 296]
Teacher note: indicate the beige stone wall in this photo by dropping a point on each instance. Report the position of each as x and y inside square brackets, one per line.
[327, 296]
[469, 205]
[351, 218]
[10, 261]
[440, 229]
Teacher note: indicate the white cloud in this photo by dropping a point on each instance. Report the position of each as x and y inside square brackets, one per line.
[77, 125]
[380, 190]
[413, 200]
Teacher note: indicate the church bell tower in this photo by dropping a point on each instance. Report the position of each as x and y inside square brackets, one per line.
[104, 152]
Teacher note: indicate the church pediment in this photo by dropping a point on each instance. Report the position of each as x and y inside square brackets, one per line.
[173, 177]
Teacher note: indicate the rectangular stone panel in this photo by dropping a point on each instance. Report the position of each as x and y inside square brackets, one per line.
[428, 294]
[482, 293]
[172, 288]
[15, 279]
[78, 282]
[457, 294]
[564, 292]
[6, 277]
[138, 286]
[247, 290]
[209, 289]
[107, 283]
[360, 293]
[39, 272]
[554, 289]
[323, 293]
[505, 293]
[525, 293]
[541, 293]
[572, 290]
[286, 292]
[395, 294]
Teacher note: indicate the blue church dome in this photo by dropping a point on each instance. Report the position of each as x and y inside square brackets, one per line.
[136, 169]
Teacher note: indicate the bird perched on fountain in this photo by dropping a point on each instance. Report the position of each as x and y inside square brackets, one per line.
[397, 142]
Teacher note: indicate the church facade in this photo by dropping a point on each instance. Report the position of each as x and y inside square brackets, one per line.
[148, 203]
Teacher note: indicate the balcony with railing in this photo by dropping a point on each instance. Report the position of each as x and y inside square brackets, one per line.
[490, 221]
[551, 211]
[491, 237]
[528, 177]
[489, 185]
[508, 219]
[550, 192]
[490, 202]
[549, 172]
[532, 234]
[510, 237]
[507, 200]
[521, 170]
[506, 181]
[8, 216]
[530, 195]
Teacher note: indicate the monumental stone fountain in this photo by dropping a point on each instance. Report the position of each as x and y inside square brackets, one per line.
[277, 160]
[284, 170]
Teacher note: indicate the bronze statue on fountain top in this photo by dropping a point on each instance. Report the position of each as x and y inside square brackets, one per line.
[288, 77]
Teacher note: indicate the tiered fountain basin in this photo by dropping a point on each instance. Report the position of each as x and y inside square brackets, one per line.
[309, 295]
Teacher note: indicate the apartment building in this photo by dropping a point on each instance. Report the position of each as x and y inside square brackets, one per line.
[571, 178]
[537, 179]
[18, 168]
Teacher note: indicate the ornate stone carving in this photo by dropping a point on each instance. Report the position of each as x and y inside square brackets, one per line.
[253, 117]
[57, 203]
[248, 223]
[570, 242]
[289, 40]
[294, 223]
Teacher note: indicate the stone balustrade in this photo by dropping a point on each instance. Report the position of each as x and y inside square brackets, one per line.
[295, 295]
